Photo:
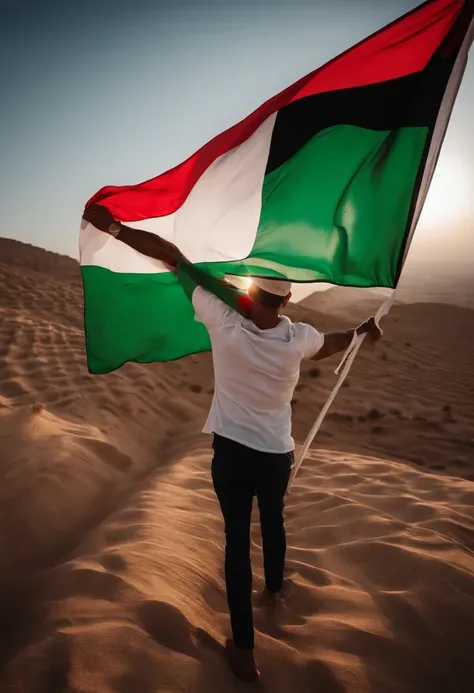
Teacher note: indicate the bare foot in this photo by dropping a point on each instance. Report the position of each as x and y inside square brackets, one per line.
[242, 663]
[273, 600]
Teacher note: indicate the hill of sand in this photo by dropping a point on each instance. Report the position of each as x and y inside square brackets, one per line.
[341, 301]
[111, 575]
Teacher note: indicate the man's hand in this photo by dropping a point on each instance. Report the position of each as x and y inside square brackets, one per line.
[144, 242]
[370, 328]
[98, 216]
[335, 342]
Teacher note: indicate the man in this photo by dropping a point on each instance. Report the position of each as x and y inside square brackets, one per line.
[256, 367]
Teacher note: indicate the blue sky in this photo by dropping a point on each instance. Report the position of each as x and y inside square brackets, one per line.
[97, 93]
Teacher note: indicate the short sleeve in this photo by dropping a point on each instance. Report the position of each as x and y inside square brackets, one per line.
[312, 340]
[211, 311]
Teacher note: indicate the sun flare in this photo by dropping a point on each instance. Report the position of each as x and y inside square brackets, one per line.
[447, 198]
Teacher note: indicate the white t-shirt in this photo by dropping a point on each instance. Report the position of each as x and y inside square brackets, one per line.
[256, 372]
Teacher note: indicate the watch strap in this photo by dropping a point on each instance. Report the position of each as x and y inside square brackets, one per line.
[114, 229]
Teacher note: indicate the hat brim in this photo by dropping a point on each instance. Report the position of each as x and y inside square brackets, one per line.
[277, 287]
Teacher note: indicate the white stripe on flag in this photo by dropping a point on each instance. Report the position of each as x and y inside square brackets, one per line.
[217, 223]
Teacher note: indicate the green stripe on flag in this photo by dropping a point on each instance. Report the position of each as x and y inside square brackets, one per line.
[137, 317]
[145, 317]
[337, 211]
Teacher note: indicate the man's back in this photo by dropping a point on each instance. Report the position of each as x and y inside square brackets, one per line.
[256, 372]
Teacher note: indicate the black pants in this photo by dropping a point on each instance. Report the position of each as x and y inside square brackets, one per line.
[239, 473]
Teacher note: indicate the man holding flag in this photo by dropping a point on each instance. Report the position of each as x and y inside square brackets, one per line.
[256, 368]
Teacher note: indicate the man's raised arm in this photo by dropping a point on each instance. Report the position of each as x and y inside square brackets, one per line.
[142, 241]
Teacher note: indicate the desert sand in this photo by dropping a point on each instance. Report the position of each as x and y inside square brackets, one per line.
[111, 542]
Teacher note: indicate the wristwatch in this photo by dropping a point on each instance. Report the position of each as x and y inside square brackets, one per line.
[114, 229]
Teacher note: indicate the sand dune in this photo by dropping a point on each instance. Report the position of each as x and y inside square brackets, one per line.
[447, 279]
[111, 540]
[341, 301]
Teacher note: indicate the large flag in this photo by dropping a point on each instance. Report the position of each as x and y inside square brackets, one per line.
[323, 182]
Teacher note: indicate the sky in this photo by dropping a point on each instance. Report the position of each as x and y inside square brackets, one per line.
[98, 93]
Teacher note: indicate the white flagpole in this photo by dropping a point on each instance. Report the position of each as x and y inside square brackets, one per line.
[439, 133]
[345, 365]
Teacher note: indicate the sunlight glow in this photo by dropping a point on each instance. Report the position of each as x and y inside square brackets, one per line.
[448, 197]
[242, 283]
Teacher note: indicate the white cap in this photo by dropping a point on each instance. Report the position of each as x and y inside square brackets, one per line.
[272, 286]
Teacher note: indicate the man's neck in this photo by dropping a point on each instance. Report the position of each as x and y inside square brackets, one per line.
[264, 318]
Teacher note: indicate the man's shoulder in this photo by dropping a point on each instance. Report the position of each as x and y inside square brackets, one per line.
[211, 310]
[309, 338]
[303, 327]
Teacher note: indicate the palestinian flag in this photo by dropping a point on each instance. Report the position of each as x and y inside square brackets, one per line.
[323, 182]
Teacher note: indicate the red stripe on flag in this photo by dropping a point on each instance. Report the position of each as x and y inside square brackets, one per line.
[401, 48]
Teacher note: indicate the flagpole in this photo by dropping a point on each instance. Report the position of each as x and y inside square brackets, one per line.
[437, 139]
[343, 371]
